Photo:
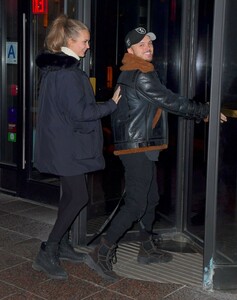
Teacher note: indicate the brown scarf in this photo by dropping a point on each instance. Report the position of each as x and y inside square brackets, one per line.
[133, 62]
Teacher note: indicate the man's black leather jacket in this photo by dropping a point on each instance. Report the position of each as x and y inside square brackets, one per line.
[144, 99]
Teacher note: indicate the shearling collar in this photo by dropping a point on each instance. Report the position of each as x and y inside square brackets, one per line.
[54, 61]
[133, 62]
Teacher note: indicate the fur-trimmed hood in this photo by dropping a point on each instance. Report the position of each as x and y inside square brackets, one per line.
[54, 61]
[133, 62]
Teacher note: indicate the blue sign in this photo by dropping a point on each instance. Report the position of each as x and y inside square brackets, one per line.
[11, 52]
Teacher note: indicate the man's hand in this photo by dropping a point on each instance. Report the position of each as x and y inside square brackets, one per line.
[223, 118]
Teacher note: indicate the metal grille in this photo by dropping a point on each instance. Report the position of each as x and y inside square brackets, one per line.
[185, 268]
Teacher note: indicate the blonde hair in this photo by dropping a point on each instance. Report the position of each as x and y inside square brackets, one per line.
[61, 30]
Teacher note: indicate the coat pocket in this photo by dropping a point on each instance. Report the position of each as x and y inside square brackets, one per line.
[85, 144]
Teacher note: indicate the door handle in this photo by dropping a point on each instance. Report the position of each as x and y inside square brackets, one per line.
[23, 90]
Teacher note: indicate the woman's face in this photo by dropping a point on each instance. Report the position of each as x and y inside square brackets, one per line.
[81, 44]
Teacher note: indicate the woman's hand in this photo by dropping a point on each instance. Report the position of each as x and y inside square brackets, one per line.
[116, 97]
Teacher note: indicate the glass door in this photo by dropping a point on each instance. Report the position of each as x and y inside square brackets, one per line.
[10, 112]
[183, 61]
[34, 22]
[220, 255]
[163, 18]
[43, 186]
[196, 134]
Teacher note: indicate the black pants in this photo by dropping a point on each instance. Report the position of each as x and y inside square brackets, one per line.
[141, 196]
[74, 197]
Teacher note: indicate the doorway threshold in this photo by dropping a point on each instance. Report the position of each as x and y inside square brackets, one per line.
[185, 268]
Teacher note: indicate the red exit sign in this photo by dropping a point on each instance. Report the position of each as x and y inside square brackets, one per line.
[40, 6]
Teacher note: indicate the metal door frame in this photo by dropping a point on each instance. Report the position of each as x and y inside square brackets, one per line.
[215, 275]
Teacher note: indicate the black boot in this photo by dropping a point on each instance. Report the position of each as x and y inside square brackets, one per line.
[101, 260]
[150, 253]
[67, 252]
[48, 262]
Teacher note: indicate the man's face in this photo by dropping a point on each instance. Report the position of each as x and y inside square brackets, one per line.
[81, 44]
[144, 49]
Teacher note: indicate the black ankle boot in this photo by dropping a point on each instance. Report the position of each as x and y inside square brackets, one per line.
[67, 252]
[150, 253]
[101, 260]
[48, 262]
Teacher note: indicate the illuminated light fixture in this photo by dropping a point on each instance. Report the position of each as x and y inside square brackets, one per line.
[109, 77]
[40, 7]
[46, 20]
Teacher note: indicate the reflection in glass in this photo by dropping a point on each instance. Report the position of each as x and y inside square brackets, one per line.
[41, 23]
[9, 95]
[197, 168]
[9, 110]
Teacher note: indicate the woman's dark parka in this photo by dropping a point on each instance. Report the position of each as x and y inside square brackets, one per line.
[140, 122]
[69, 139]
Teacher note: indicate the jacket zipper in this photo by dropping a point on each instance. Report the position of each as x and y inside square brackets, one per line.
[147, 130]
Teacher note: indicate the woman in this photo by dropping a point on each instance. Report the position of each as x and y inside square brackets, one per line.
[69, 138]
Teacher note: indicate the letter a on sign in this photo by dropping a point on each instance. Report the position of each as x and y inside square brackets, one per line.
[11, 52]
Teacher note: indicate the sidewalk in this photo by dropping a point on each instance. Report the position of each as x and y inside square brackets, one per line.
[24, 224]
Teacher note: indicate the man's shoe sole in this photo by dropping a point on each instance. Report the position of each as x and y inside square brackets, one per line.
[94, 266]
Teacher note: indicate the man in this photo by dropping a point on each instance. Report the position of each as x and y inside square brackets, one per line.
[140, 131]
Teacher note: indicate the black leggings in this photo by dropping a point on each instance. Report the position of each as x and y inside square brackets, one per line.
[74, 198]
